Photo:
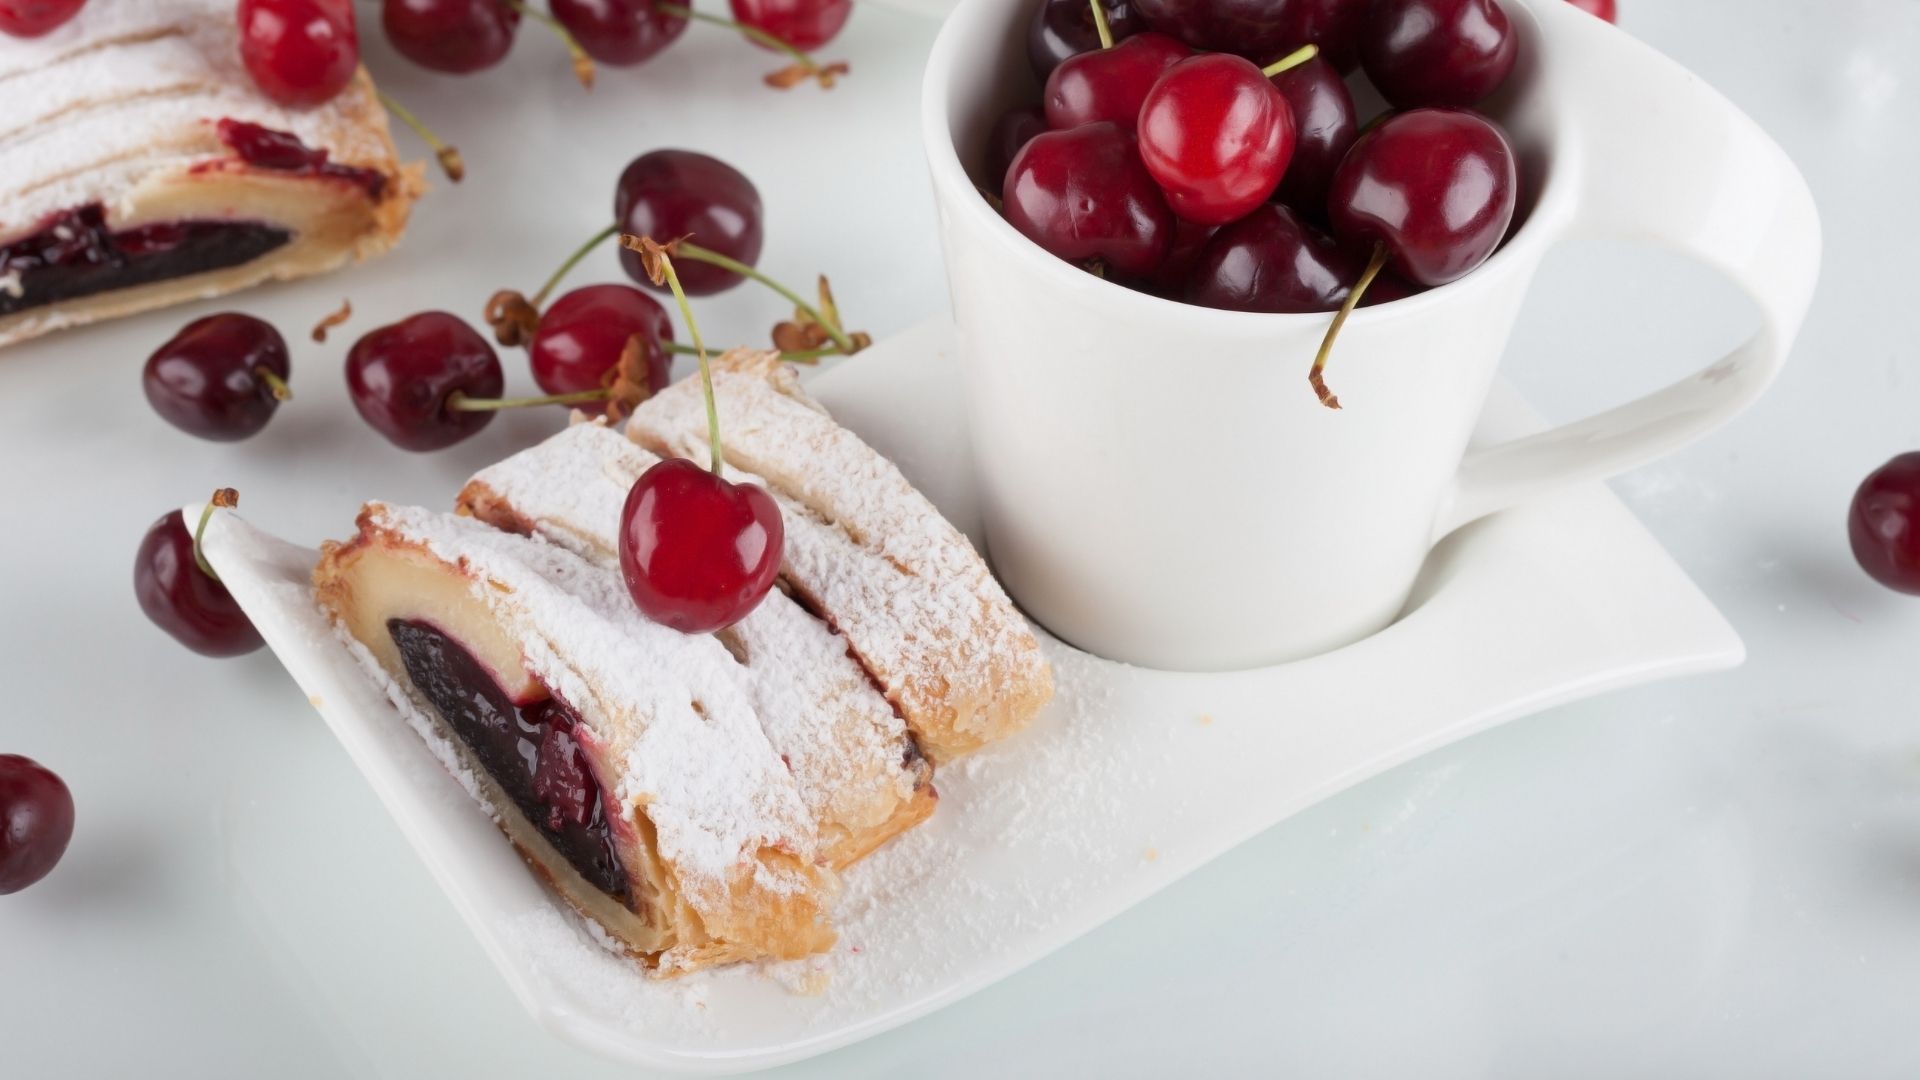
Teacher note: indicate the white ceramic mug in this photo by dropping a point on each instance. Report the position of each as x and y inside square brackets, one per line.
[1159, 484]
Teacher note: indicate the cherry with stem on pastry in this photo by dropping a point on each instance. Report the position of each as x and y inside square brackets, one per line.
[698, 552]
[611, 337]
[299, 52]
[1438, 52]
[1110, 83]
[1324, 125]
[32, 18]
[180, 592]
[1063, 28]
[1083, 194]
[1262, 28]
[1274, 262]
[1605, 9]
[1883, 524]
[463, 36]
[36, 821]
[1430, 192]
[1216, 134]
[221, 377]
[802, 24]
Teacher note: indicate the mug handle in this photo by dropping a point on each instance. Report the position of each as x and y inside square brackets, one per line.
[1663, 159]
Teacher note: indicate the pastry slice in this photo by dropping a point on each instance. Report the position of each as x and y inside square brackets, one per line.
[859, 771]
[623, 759]
[140, 167]
[869, 553]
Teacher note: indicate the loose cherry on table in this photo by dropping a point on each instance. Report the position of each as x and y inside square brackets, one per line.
[619, 32]
[668, 194]
[36, 821]
[1011, 133]
[1260, 29]
[1605, 9]
[180, 593]
[299, 52]
[1084, 194]
[803, 24]
[221, 377]
[1109, 84]
[454, 36]
[1438, 52]
[1324, 125]
[1216, 135]
[1883, 524]
[1063, 28]
[1272, 261]
[409, 380]
[32, 18]
[584, 339]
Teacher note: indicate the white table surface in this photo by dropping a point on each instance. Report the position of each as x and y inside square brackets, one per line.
[1718, 877]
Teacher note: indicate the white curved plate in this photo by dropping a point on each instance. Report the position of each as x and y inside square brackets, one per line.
[1130, 780]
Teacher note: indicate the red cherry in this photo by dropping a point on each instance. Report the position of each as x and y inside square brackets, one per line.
[1884, 524]
[182, 600]
[1272, 261]
[1011, 133]
[1109, 84]
[1169, 279]
[299, 52]
[583, 334]
[32, 18]
[220, 377]
[1262, 29]
[1603, 8]
[619, 33]
[698, 553]
[1324, 128]
[1216, 135]
[1438, 52]
[1083, 194]
[1435, 187]
[671, 194]
[1063, 28]
[402, 376]
[804, 24]
[454, 36]
[36, 821]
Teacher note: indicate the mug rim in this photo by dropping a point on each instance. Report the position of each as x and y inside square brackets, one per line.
[950, 174]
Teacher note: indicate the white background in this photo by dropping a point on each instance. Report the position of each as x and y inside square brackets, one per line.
[1719, 877]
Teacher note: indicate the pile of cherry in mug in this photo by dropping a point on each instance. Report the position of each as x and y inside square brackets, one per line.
[1209, 150]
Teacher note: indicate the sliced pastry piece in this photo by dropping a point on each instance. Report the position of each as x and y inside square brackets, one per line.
[859, 771]
[140, 167]
[869, 553]
[623, 759]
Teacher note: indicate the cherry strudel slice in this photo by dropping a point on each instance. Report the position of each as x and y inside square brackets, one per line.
[140, 167]
[622, 758]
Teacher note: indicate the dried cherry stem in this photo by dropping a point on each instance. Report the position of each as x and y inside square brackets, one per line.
[460, 402]
[830, 325]
[1292, 60]
[450, 161]
[224, 498]
[582, 63]
[276, 385]
[791, 356]
[1317, 377]
[1100, 24]
[801, 58]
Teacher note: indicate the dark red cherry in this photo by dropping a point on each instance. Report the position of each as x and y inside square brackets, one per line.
[1324, 127]
[1169, 279]
[803, 24]
[32, 18]
[583, 334]
[1262, 30]
[1884, 524]
[1063, 28]
[455, 36]
[1109, 84]
[1603, 8]
[670, 194]
[619, 33]
[182, 600]
[36, 821]
[1083, 194]
[220, 377]
[402, 376]
[1216, 135]
[698, 553]
[1388, 287]
[1272, 261]
[1438, 52]
[1436, 187]
[1011, 133]
[299, 52]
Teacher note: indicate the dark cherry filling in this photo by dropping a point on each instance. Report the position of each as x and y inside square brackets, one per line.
[529, 750]
[74, 254]
[282, 151]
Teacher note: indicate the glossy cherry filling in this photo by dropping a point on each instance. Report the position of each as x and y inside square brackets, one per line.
[529, 750]
[282, 151]
[74, 254]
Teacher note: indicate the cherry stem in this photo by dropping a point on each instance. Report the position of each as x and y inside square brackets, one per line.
[573, 260]
[223, 498]
[753, 32]
[460, 402]
[1317, 377]
[831, 326]
[450, 162]
[1100, 25]
[1292, 60]
[582, 63]
[706, 370]
[275, 384]
[800, 356]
